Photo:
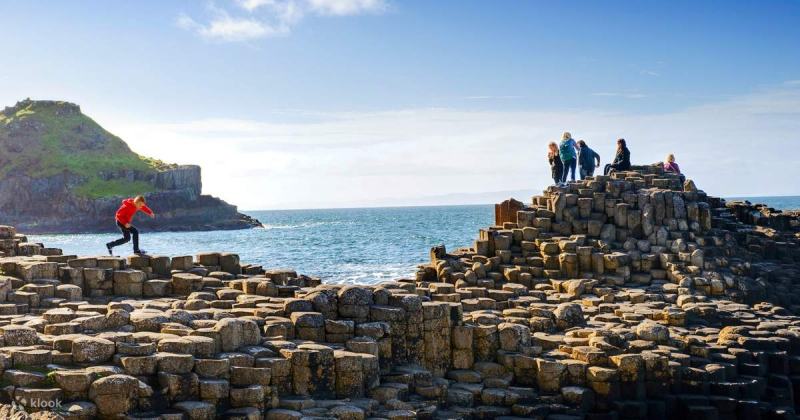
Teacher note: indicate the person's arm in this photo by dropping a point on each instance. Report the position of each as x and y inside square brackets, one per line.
[146, 210]
[597, 159]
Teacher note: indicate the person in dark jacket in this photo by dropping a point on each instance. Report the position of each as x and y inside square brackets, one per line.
[622, 160]
[588, 160]
[556, 166]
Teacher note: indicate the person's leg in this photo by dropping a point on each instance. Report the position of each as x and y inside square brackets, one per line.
[135, 233]
[590, 172]
[606, 169]
[126, 236]
[572, 164]
[564, 172]
[582, 173]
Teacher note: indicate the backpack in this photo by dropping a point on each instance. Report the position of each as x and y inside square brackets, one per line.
[566, 150]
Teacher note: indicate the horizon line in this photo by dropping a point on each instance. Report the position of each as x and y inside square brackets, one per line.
[348, 207]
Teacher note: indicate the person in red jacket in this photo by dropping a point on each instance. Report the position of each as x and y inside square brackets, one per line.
[124, 218]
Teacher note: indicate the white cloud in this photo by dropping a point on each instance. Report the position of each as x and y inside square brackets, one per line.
[730, 148]
[347, 7]
[650, 73]
[224, 27]
[254, 4]
[256, 19]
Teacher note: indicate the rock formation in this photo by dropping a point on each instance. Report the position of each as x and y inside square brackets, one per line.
[61, 172]
[630, 296]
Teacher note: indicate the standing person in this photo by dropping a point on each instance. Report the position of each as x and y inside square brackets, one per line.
[568, 150]
[588, 159]
[622, 160]
[556, 167]
[124, 218]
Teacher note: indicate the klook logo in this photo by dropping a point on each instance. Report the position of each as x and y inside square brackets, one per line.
[37, 403]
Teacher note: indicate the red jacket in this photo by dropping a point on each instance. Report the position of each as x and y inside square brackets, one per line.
[128, 209]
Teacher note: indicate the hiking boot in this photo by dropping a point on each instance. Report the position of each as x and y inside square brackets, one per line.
[140, 252]
[108, 247]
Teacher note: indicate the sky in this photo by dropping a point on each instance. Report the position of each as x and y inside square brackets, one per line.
[342, 103]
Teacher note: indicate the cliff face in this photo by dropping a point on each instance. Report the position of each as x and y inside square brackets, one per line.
[61, 172]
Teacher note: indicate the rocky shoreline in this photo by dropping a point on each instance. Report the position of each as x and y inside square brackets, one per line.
[178, 202]
[61, 172]
[630, 296]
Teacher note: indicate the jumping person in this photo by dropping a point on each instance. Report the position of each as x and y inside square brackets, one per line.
[588, 159]
[622, 160]
[124, 218]
[556, 167]
[568, 151]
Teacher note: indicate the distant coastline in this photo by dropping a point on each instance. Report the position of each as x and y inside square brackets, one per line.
[781, 202]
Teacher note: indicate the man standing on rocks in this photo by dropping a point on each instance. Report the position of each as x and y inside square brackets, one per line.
[124, 218]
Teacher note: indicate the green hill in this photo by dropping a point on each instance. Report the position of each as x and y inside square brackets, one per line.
[61, 172]
[40, 139]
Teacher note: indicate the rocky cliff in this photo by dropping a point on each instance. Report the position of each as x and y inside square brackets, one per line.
[62, 172]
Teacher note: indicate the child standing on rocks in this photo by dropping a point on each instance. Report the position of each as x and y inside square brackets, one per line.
[556, 167]
[124, 218]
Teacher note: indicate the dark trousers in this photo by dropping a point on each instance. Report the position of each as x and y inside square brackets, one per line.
[584, 172]
[615, 167]
[127, 232]
[569, 168]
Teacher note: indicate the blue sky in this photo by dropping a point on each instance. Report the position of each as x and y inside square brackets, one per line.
[344, 102]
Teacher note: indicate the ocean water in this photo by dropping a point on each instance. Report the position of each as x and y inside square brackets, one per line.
[365, 245]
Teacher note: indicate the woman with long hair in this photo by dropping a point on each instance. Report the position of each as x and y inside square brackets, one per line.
[568, 150]
[556, 167]
[622, 160]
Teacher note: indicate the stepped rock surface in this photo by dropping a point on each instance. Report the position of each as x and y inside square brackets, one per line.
[61, 172]
[625, 297]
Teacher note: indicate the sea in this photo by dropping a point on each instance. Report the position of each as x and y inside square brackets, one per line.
[351, 246]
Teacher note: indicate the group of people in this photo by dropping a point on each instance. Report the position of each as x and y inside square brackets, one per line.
[564, 158]
[568, 155]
